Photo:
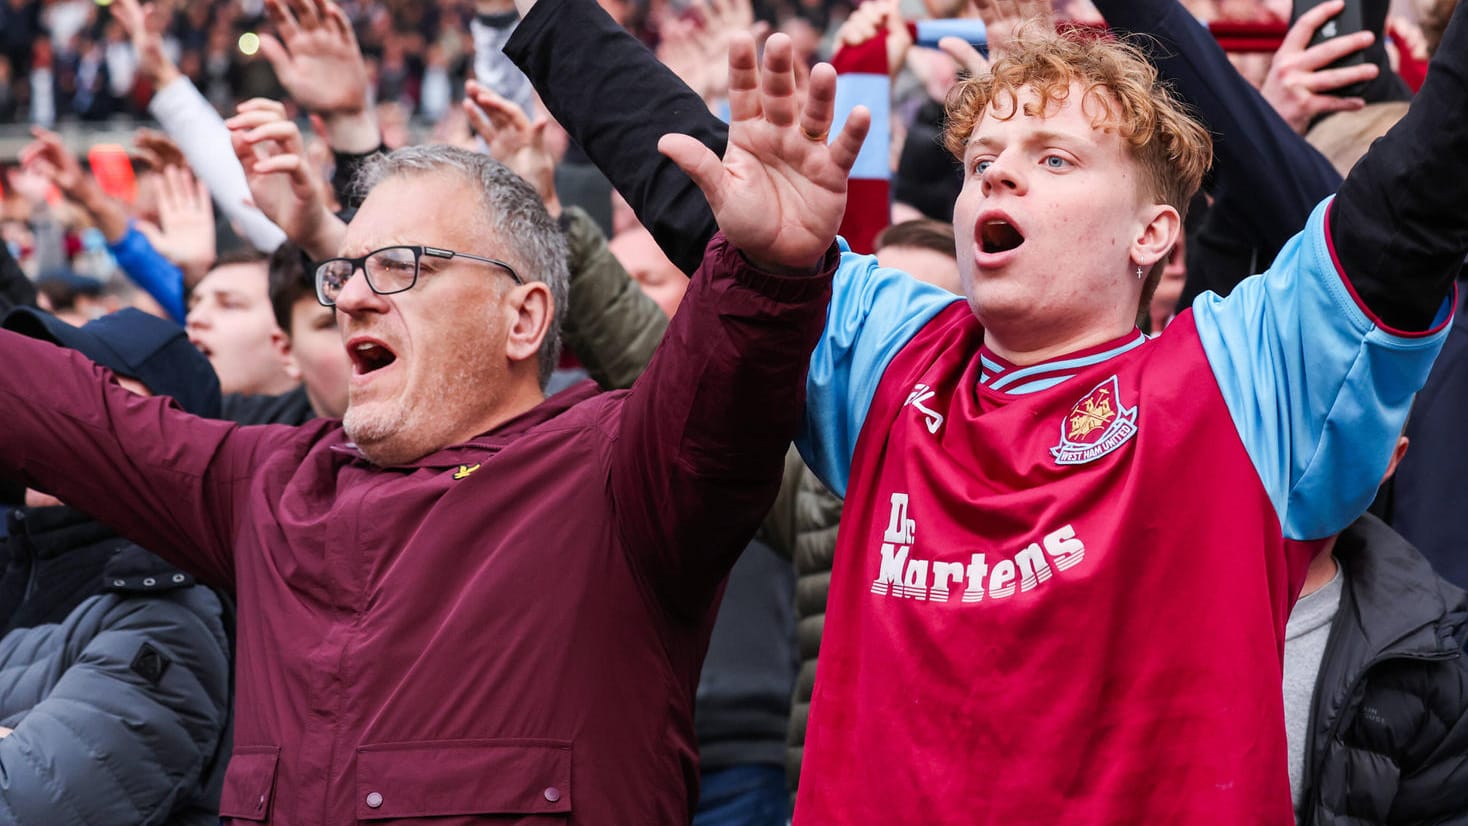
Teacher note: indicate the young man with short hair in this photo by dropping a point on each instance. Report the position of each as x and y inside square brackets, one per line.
[230, 321]
[1021, 627]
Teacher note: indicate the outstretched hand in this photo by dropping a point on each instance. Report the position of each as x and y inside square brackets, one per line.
[316, 56]
[48, 156]
[144, 26]
[282, 183]
[1003, 19]
[513, 140]
[780, 191]
[186, 222]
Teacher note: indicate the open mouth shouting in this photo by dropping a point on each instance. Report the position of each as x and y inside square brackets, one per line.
[368, 356]
[998, 238]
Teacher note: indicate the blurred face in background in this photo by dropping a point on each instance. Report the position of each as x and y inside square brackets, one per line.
[231, 323]
[658, 277]
[315, 345]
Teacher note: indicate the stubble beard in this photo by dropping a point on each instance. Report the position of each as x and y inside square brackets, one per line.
[386, 431]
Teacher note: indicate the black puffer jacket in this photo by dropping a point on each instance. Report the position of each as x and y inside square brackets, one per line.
[114, 675]
[1389, 723]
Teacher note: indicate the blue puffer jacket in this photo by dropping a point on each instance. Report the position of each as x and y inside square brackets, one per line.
[119, 709]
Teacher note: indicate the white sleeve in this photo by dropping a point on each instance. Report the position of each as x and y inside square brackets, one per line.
[200, 132]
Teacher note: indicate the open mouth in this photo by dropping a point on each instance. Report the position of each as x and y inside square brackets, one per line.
[370, 356]
[998, 235]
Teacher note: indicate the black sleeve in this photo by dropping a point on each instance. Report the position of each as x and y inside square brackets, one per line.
[1400, 222]
[1269, 178]
[347, 165]
[616, 99]
[16, 289]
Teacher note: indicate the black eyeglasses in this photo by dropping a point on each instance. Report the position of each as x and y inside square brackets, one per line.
[388, 270]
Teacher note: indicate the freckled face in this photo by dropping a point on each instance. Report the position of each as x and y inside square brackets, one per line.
[1045, 221]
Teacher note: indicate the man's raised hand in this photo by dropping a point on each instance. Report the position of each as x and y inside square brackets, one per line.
[144, 26]
[780, 191]
[1003, 19]
[186, 223]
[282, 184]
[513, 140]
[316, 57]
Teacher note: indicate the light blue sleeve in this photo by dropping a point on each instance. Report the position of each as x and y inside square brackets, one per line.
[874, 312]
[1317, 390]
[150, 270]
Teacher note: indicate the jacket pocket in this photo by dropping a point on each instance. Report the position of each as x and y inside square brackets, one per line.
[463, 777]
[249, 783]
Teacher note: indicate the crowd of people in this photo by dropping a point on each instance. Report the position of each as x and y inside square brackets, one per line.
[1041, 412]
[71, 60]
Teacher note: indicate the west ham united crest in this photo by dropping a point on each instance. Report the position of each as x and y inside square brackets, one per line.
[1097, 425]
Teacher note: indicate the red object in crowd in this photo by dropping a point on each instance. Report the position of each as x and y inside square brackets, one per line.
[1248, 36]
[1412, 70]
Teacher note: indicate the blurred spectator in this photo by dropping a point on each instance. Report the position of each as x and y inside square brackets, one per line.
[231, 322]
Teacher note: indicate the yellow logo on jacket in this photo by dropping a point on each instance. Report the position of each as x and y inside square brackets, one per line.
[464, 471]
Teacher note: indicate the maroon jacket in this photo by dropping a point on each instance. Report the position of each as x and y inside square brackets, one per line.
[503, 630]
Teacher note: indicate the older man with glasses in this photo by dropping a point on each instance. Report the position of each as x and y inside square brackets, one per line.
[466, 601]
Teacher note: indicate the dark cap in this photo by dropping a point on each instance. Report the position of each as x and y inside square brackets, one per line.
[132, 343]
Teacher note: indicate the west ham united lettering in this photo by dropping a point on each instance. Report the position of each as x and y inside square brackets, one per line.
[900, 574]
[1097, 425]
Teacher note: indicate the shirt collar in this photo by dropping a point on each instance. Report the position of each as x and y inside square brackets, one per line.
[998, 374]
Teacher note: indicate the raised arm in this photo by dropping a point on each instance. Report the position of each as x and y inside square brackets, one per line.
[703, 434]
[165, 479]
[1400, 222]
[580, 60]
[1319, 358]
[193, 124]
[319, 63]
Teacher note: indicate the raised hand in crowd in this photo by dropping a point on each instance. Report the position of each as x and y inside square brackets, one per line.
[968, 58]
[48, 156]
[514, 140]
[318, 61]
[185, 222]
[282, 183]
[1300, 82]
[872, 17]
[720, 20]
[1005, 19]
[681, 48]
[157, 149]
[780, 191]
[144, 25]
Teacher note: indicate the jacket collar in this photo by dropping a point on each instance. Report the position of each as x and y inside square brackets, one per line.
[1400, 605]
[493, 441]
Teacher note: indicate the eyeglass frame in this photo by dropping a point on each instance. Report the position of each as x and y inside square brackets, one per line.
[418, 250]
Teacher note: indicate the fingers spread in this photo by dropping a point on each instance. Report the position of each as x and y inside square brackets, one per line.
[848, 144]
[820, 102]
[777, 82]
[744, 102]
[282, 18]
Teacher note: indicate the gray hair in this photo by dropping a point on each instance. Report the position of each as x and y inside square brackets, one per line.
[512, 213]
